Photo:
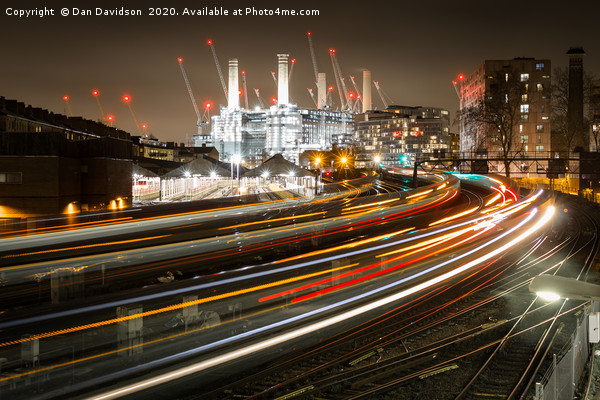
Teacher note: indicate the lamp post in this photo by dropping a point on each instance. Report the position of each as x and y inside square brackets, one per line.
[551, 287]
[344, 161]
[377, 161]
[236, 159]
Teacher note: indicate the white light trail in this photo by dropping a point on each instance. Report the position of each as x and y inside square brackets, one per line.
[148, 383]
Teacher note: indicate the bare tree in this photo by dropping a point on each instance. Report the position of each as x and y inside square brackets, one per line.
[497, 115]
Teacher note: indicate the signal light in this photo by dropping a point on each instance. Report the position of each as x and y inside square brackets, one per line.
[461, 77]
[144, 126]
[180, 59]
[95, 92]
[66, 98]
[110, 117]
[243, 72]
[208, 105]
[209, 41]
[274, 99]
[126, 98]
[330, 88]
[293, 60]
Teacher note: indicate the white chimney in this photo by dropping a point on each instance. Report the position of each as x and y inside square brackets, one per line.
[282, 81]
[233, 94]
[366, 91]
[321, 91]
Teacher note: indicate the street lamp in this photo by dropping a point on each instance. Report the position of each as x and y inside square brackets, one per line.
[237, 159]
[552, 287]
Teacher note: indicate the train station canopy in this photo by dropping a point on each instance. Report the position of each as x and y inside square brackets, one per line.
[278, 166]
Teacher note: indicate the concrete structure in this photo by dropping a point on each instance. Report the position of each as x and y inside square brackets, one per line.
[401, 135]
[366, 91]
[52, 164]
[575, 105]
[532, 138]
[321, 91]
[233, 93]
[282, 79]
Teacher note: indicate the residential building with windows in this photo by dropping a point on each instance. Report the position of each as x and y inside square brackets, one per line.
[401, 135]
[531, 131]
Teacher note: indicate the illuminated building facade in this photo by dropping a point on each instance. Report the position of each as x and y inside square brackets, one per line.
[532, 136]
[401, 135]
[281, 129]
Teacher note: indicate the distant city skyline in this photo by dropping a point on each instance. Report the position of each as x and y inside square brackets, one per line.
[413, 50]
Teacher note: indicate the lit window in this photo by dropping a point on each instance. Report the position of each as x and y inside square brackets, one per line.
[524, 77]
[524, 108]
[539, 148]
[525, 117]
[11, 177]
[539, 128]
[545, 117]
[539, 87]
[524, 98]
[524, 138]
[539, 66]
[521, 128]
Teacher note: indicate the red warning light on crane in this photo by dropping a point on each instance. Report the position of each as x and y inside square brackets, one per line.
[180, 59]
[351, 94]
[331, 50]
[95, 92]
[243, 72]
[144, 126]
[126, 98]
[461, 77]
[308, 33]
[209, 41]
[208, 105]
[273, 99]
[66, 98]
[110, 118]
[330, 88]
[293, 60]
[240, 92]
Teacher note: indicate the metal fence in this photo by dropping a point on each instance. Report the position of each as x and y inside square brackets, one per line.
[561, 380]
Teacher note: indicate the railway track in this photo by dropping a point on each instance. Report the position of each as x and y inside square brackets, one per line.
[484, 338]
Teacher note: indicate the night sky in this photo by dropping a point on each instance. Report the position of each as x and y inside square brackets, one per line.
[413, 48]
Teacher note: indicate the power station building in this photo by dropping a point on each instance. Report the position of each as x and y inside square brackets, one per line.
[256, 135]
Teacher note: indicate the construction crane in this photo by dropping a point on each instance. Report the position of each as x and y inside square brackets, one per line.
[274, 77]
[343, 92]
[96, 94]
[262, 105]
[314, 59]
[245, 88]
[214, 53]
[189, 88]
[312, 96]
[293, 61]
[358, 95]
[66, 99]
[457, 84]
[380, 91]
[127, 100]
